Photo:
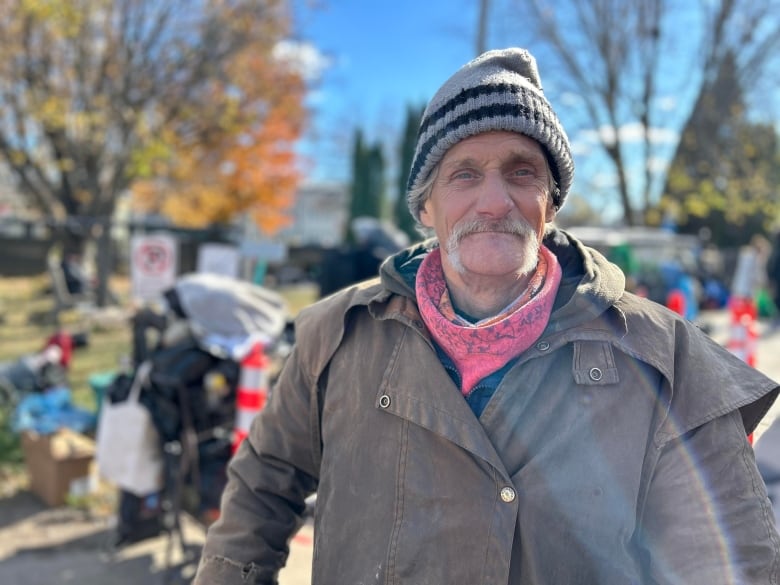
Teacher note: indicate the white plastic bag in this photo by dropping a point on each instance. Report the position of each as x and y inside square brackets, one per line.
[129, 453]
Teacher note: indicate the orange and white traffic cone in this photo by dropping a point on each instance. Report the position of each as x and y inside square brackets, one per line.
[252, 392]
[743, 340]
[751, 345]
[675, 301]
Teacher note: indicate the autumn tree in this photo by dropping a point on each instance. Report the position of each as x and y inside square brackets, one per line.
[186, 96]
[622, 60]
[238, 158]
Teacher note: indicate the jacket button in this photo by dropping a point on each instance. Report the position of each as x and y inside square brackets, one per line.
[595, 374]
[384, 401]
[542, 346]
[507, 494]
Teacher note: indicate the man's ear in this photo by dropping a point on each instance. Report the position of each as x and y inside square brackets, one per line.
[425, 216]
[552, 206]
[551, 211]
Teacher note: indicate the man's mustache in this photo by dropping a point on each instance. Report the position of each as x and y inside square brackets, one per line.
[476, 226]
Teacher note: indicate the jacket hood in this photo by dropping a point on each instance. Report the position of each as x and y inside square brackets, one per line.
[598, 283]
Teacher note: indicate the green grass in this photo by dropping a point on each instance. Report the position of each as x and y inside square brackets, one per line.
[299, 296]
[24, 305]
[25, 313]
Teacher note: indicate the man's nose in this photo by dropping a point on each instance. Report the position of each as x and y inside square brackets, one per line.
[494, 198]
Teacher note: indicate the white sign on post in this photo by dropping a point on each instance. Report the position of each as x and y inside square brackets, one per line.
[153, 265]
[267, 250]
[222, 259]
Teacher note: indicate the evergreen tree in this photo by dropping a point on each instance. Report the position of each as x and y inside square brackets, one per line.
[403, 218]
[367, 191]
[375, 172]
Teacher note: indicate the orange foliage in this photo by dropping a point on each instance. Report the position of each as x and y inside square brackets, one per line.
[235, 154]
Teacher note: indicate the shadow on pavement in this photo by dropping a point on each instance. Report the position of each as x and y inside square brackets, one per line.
[18, 507]
[40, 545]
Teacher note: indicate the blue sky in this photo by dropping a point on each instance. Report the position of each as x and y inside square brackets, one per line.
[378, 57]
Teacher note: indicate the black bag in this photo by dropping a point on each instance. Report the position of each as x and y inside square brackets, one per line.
[139, 517]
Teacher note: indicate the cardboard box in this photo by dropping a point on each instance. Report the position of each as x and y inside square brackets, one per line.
[58, 464]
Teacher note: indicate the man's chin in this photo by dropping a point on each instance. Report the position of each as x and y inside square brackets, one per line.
[492, 254]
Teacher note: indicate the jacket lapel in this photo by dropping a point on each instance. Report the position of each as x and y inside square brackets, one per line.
[417, 388]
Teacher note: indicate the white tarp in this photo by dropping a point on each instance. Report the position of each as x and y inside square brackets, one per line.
[230, 313]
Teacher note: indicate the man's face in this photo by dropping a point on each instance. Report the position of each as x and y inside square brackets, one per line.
[489, 205]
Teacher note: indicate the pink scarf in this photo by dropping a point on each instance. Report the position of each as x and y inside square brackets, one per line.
[485, 347]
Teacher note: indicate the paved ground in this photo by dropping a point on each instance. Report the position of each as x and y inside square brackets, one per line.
[47, 546]
[42, 546]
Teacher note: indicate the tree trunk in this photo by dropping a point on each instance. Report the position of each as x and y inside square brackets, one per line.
[104, 261]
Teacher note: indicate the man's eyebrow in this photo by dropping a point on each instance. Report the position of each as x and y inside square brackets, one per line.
[461, 162]
[525, 156]
[514, 156]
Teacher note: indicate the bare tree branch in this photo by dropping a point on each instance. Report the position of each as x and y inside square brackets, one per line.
[620, 57]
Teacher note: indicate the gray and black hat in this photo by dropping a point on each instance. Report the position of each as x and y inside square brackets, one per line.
[499, 90]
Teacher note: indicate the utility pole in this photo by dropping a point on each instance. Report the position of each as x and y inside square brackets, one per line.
[482, 23]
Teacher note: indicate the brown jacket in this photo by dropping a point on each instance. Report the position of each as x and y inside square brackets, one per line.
[613, 451]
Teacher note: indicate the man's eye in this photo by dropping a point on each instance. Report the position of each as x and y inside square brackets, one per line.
[463, 175]
[523, 176]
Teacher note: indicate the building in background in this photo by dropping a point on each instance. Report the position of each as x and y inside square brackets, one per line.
[319, 216]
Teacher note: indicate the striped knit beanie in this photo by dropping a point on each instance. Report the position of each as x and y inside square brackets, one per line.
[499, 90]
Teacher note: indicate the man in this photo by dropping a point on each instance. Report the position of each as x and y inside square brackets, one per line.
[495, 408]
[76, 279]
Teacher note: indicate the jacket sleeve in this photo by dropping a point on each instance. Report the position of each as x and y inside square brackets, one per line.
[707, 517]
[272, 473]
